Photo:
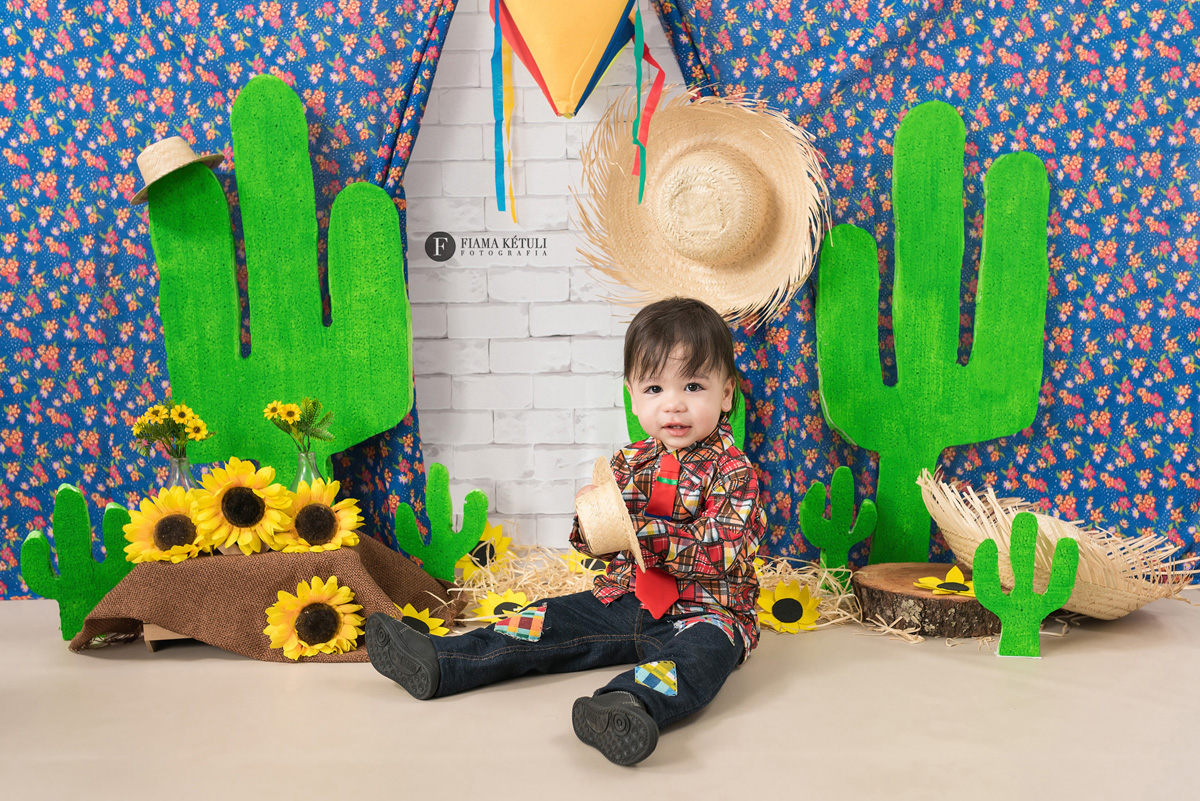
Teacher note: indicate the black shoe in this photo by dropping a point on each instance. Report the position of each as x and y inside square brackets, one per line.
[404, 655]
[617, 724]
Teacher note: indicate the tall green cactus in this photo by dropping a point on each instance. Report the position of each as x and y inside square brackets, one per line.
[833, 535]
[446, 546]
[360, 366]
[936, 402]
[1022, 610]
[81, 581]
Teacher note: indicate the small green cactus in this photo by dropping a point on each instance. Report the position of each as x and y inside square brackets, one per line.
[1022, 610]
[833, 535]
[446, 546]
[81, 581]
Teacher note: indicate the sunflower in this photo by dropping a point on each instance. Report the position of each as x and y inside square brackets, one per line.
[182, 414]
[488, 554]
[156, 413]
[578, 563]
[289, 413]
[788, 608]
[272, 410]
[197, 430]
[494, 607]
[317, 523]
[163, 529]
[422, 621]
[240, 506]
[953, 584]
[316, 620]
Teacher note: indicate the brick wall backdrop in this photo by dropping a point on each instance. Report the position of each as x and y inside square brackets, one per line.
[518, 359]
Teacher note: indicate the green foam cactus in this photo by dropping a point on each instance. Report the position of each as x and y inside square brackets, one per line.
[737, 420]
[1022, 610]
[936, 402]
[360, 366]
[446, 546]
[833, 534]
[81, 581]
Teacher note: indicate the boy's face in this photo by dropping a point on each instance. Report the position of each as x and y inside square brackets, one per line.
[678, 409]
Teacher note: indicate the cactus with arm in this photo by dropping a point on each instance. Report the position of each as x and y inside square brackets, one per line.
[81, 581]
[446, 546]
[360, 365]
[833, 535]
[1022, 610]
[936, 402]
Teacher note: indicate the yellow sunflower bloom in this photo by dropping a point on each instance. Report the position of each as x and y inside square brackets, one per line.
[181, 414]
[240, 506]
[289, 413]
[488, 554]
[318, 619]
[137, 427]
[197, 430]
[272, 410]
[494, 607]
[788, 608]
[422, 621]
[578, 563]
[163, 530]
[156, 414]
[955, 583]
[318, 524]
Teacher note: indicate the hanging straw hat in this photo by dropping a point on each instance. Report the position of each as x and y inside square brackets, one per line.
[733, 211]
[1116, 574]
[165, 157]
[604, 517]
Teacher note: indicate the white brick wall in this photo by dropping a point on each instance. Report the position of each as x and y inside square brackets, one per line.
[518, 357]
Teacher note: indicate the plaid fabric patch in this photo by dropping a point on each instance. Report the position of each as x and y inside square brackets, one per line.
[716, 620]
[658, 676]
[524, 625]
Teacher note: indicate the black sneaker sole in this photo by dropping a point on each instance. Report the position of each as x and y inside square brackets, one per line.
[394, 656]
[624, 735]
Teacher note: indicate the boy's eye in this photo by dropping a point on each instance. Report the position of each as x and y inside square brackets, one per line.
[653, 389]
[694, 387]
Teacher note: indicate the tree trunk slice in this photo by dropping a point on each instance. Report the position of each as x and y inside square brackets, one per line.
[886, 591]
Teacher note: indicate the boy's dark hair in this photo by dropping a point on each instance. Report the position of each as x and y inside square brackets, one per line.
[662, 326]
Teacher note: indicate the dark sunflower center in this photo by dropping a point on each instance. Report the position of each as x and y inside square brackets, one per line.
[483, 553]
[316, 524]
[317, 623]
[242, 507]
[787, 610]
[592, 564]
[506, 608]
[416, 623]
[174, 530]
[953, 586]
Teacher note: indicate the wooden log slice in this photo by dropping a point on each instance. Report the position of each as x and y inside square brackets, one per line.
[887, 591]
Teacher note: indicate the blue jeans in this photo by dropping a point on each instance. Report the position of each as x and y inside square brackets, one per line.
[580, 633]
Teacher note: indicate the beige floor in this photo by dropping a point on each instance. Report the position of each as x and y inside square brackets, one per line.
[1109, 712]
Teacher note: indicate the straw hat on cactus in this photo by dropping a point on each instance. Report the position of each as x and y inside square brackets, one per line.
[165, 157]
[733, 211]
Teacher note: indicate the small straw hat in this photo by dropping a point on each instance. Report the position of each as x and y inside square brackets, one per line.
[604, 518]
[165, 157]
[733, 211]
[1116, 574]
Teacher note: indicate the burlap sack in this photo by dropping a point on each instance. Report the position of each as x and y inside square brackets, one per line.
[223, 600]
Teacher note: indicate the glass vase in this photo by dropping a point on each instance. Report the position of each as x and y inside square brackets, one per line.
[179, 473]
[306, 469]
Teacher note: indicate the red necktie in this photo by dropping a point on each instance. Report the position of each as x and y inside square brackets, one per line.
[666, 487]
[656, 588]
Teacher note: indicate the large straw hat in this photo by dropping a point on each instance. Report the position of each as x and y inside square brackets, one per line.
[164, 157]
[1116, 574]
[733, 210]
[604, 517]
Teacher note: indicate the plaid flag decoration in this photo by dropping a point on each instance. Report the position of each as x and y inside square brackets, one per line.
[658, 676]
[524, 625]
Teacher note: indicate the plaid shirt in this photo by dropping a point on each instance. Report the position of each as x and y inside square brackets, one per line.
[711, 539]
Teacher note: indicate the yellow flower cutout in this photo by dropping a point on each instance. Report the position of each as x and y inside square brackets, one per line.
[289, 412]
[197, 430]
[318, 524]
[953, 584]
[182, 414]
[239, 505]
[163, 530]
[422, 621]
[318, 619]
[272, 410]
[788, 608]
[578, 563]
[488, 554]
[155, 414]
[494, 607]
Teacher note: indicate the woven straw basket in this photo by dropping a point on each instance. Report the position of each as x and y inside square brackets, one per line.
[1116, 575]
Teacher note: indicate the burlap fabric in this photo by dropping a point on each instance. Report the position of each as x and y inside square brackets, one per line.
[223, 600]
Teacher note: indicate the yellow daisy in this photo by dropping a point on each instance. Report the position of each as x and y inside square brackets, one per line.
[137, 427]
[488, 554]
[953, 584]
[788, 608]
[182, 414]
[163, 529]
[289, 413]
[316, 620]
[272, 410]
[318, 524]
[494, 607]
[422, 621]
[196, 429]
[156, 413]
[578, 563]
[238, 505]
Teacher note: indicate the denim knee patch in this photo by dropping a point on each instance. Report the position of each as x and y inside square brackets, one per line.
[658, 676]
[524, 625]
